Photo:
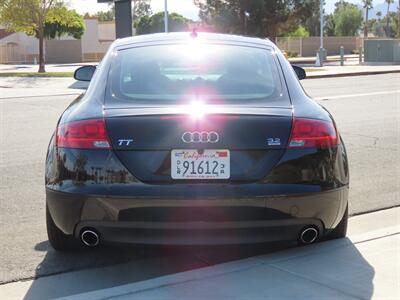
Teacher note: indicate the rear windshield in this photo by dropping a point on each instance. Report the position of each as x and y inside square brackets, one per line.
[195, 71]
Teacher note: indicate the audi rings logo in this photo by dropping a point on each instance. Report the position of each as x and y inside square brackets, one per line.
[200, 137]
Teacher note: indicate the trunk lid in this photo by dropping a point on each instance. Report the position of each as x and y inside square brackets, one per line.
[144, 137]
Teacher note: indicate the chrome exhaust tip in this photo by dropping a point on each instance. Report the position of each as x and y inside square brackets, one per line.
[308, 235]
[90, 238]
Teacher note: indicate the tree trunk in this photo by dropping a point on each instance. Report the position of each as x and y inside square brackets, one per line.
[41, 48]
[366, 23]
[270, 31]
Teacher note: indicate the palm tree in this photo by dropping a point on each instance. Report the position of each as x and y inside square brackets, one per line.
[388, 16]
[367, 4]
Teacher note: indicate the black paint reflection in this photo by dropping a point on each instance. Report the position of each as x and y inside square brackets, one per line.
[84, 167]
[325, 167]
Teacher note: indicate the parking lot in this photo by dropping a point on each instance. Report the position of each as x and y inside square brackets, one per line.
[366, 108]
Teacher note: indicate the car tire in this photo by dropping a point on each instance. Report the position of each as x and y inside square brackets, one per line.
[341, 229]
[59, 240]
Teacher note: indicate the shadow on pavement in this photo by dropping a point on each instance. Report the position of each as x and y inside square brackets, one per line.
[81, 85]
[125, 264]
[115, 265]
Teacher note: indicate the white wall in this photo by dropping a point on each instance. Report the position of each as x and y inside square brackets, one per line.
[31, 43]
[98, 36]
[106, 31]
[90, 39]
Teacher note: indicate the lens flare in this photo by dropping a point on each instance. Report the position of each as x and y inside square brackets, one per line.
[196, 109]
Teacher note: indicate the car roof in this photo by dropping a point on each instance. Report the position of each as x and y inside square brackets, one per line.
[181, 36]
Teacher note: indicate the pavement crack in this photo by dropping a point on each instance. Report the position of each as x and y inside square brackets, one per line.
[362, 135]
[377, 238]
[373, 210]
[314, 281]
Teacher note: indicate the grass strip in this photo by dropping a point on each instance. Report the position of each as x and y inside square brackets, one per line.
[36, 74]
[308, 70]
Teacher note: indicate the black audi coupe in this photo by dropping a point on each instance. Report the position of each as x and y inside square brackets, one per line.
[194, 139]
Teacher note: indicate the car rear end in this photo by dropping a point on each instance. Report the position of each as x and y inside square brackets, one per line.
[198, 142]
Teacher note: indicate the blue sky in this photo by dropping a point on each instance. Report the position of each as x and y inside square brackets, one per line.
[183, 7]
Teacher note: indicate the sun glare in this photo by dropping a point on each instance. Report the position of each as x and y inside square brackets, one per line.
[196, 109]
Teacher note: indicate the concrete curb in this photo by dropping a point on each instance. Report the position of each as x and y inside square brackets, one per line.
[41, 96]
[361, 73]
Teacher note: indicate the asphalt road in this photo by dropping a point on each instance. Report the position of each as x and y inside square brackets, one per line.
[367, 111]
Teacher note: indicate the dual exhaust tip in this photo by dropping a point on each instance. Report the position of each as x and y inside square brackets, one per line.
[308, 235]
[90, 238]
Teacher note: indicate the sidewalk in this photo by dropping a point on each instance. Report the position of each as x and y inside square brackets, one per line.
[352, 70]
[49, 67]
[366, 265]
[349, 59]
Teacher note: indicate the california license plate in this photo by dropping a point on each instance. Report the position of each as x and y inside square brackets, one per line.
[194, 164]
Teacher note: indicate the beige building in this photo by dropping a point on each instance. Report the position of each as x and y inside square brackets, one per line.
[97, 38]
[17, 47]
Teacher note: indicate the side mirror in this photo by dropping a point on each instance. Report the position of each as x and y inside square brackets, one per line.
[84, 73]
[300, 72]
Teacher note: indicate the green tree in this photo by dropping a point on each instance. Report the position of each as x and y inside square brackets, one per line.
[394, 25]
[63, 21]
[299, 32]
[388, 2]
[309, 16]
[348, 19]
[140, 9]
[380, 28]
[263, 18]
[329, 27]
[28, 16]
[367, 5]
[155, 23]
[108, 15]
[398, 21]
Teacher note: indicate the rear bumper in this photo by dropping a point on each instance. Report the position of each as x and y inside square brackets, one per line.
[197, 221]
[198, 233]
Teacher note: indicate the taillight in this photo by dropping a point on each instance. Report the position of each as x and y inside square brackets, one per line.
[313, 133]
[87, 134]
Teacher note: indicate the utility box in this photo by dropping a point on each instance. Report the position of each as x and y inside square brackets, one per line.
[385, 51]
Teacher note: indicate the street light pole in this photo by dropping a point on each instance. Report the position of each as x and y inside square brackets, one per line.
[321, 13]
[321, 52]
[166, 15]
[123, 17]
